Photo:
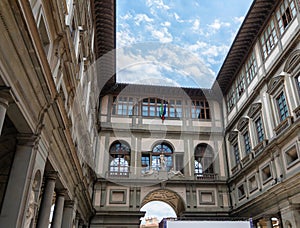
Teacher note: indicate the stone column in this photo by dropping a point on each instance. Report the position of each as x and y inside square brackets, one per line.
[58, 209]
[17, 191]
[67, 220]
[45, 207]
[290, 216]
[3, 108]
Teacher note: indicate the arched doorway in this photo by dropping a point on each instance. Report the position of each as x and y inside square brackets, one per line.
[155, 212]
[167, 196]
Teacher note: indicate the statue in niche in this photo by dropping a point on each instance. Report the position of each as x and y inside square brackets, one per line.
[30, 212]
[162, 162]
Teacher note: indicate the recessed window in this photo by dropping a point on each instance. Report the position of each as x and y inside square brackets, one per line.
[282, 106]
[266, 173]
[252, 183]
[44, 35]
[247, 142]
[259, 129]
[159, 159]
[268, 39]
[251, 68]
[285, 14]
[297, 79]
[203, 160]
[231, 99]
[241, 192]
[240, 85]
[123, 106]
[291, 155]
[119, 159]
[236, 153]
[200, 109]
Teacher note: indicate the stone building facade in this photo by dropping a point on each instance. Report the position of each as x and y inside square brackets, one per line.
[93, 151]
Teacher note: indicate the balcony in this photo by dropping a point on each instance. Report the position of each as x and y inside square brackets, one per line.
[117, 174]
[206, 176]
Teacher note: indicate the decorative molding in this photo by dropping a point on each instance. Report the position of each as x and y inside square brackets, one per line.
[201, 194]
[254, 109]
[274, 83]
[283, 125]
[243, 121]
[293, 61]
[232, 136]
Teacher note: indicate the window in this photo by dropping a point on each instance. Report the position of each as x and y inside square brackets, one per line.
[268, 39]
[241, 192]
[122, 106]
[160, 158]
[247, 142]
[285, 13]
[151, 107]
[259, 129]
[236, 153]
[231, 99]
[251, 68]
[282, 107]
[240, 85]
[200, 109]
[266, 173]
[291, 155]
[203, 160]
[252, 184]
[298, 83]
[175, 108]
[119, 159]
[44, 35]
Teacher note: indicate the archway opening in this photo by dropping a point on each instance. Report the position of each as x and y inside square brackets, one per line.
[155, 212]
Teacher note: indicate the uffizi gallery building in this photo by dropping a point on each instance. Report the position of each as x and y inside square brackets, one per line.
[79, 149]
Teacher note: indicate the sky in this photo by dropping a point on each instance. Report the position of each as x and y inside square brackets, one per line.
[157, 209]
[175, 42]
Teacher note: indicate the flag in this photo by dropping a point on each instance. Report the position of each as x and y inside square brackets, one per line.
[163, 111]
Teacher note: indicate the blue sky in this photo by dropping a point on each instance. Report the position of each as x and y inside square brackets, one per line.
[175, 42]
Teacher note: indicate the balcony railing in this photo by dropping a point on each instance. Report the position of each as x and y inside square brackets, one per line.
[117, 174]
[206, 176]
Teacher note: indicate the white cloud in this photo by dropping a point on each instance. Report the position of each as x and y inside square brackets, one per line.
[166, 24]
[215, 50]
[142, 17]
[196, 25]
[217, 25]
[125, 38]
[159, 4]
[197, 46]
[162, 35]
[177, 18]
[238, 20]
[127, 16]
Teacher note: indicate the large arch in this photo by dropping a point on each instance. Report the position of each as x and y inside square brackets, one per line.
[168, 196]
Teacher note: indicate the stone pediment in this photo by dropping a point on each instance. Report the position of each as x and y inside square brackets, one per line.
[274, 83]
[293, 61]
[242, 123]
[232, 136]
[254, 108]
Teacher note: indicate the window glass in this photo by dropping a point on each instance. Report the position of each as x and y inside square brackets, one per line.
[282, 107]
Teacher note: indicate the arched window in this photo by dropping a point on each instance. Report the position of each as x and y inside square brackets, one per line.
[160, 158]
[203, 161]
[119, 159]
